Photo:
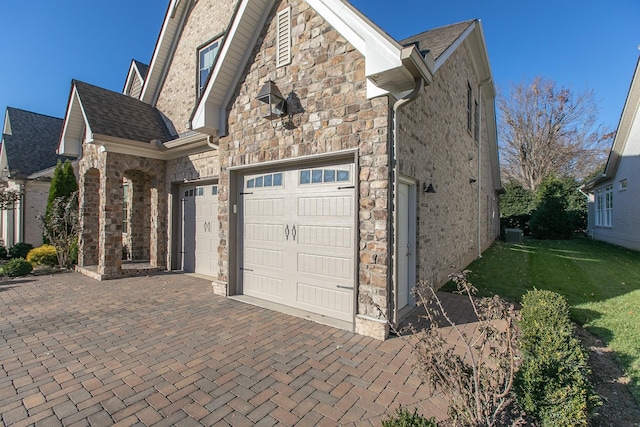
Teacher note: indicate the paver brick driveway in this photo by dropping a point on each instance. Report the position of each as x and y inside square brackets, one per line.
[164, 350]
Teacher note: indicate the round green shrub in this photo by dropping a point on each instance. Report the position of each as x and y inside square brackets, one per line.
[17, 267]
[3, 253]
[20, 250]
[43, 255]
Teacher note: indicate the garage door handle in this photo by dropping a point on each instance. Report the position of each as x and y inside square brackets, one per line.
[293, 232]
[286, 231]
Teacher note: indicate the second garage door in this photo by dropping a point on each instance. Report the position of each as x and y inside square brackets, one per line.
[298, 239]
[200, 229]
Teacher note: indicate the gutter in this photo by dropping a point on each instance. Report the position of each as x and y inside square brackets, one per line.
[399, 104]
[479, 183]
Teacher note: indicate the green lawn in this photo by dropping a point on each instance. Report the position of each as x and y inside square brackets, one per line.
[600, 281]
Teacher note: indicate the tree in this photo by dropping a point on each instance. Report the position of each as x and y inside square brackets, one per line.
[516, 206]
[61, 227]
[63, 183]
[545, 130]
[551, 219]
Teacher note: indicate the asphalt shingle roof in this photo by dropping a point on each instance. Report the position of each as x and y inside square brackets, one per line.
[437, 40]
[33, 142]
[114, 114]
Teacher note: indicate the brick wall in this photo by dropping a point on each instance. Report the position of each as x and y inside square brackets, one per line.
[435, 147]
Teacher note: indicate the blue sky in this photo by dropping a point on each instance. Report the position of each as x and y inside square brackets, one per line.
[579, 44]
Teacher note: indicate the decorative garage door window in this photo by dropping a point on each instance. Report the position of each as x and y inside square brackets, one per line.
[268, 180]
[323, 176]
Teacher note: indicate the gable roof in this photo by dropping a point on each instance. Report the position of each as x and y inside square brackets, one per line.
[629, 114]
[30, 141]
[438, 40]
[137, 74]
[389, 66]
[97, 113]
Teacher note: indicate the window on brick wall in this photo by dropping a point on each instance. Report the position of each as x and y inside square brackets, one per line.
[206, 58]
[476, 122]
[125, 208]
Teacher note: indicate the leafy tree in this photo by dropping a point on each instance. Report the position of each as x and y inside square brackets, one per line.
[551, 219]
[549, 130]
[63, 183]
[516, 206]
[61, 227]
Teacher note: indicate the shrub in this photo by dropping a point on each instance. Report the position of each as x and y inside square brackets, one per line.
[17, 267]
[20, 250]
[552, 384]
[43, 255]
[3, 252]
[403, 418]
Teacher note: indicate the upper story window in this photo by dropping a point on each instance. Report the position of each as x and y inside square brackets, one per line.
[476, 122]
[623, 184]
[206, 58]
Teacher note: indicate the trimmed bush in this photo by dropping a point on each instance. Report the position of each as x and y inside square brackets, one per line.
[552, 384]
[20, 250]
[43, 255]
[403, 418]
[17, 267]
[3, 253]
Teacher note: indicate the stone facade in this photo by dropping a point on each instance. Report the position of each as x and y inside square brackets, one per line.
[101, 176]
[338, 124]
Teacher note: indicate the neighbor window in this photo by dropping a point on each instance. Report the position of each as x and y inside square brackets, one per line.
[623, 184]
[206, 58]
[604, 206]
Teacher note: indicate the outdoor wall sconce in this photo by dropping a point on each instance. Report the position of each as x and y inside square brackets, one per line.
[272, 105]
[472, 180]
[428, 188]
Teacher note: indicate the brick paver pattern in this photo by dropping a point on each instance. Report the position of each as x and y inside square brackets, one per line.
[164, 350]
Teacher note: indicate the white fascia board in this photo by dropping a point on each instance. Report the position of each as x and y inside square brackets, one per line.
[207, 118]
[75, 122]
[192, 144]
[164, 49]
[7, 124]
[4, 161]
[210, 115]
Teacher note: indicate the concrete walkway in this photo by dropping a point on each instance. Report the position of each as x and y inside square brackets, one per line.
[164, 350]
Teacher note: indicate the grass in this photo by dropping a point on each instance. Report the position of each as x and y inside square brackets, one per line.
[601, 283]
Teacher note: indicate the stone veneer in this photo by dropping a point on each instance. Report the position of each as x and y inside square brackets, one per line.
[101, 176]
[328, 76]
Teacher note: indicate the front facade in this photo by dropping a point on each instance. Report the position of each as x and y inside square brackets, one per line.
[379, 169]
[614, 197]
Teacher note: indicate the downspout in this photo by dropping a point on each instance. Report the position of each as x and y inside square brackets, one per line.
[479, 232]
[400, 103]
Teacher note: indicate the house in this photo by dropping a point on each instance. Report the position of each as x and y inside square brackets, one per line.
[614, 197]
[296, 154]
[27, 161]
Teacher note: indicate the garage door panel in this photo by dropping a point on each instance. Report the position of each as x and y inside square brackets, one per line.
[265, 232]
[200, 235]
[333, 302]
[263, 286]
[264, 257]
[327, 236]
[326, 266]
[325, 206]
[264, 207]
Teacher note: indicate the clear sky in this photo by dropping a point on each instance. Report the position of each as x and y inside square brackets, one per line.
[579, 44]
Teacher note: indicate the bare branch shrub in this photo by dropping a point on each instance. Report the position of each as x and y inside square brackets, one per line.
[61, 227]
[476, 374]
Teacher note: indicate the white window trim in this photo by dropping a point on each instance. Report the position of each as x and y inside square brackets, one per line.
[604, 207]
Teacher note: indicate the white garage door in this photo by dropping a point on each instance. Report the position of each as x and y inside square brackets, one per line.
[298, 239]
[200, 229]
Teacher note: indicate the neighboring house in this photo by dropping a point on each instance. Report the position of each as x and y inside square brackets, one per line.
[614, 197]
[27, 160]
[367, 164]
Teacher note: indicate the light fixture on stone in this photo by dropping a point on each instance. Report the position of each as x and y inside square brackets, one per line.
[272, 104]
[429, 188]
